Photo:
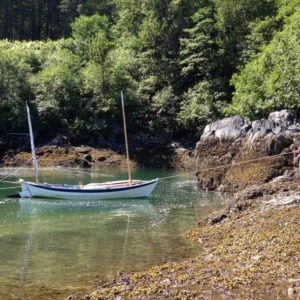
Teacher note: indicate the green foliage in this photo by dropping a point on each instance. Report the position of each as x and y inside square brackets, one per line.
[99, 47]
[198, 48]
[200, 62]
[165, 106]
[57, 89]
[91, 7]
[271, 80]
[233, 20]
[201, 105]
[181, 63]
[93, 37]
[15, 68]
[86, 28]
[130, 16]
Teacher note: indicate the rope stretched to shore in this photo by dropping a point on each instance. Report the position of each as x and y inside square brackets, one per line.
[2, 179]
[203, 170]
[10, 182]
[12, 187]
[231, 165]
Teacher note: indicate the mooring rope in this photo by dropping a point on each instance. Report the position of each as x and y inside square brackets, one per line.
[10, 182]
[203, 170]
[230, 165]
[10, 174]
[11, 187]
[2, 179]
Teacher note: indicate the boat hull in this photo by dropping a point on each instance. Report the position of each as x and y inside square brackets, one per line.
[30, 190]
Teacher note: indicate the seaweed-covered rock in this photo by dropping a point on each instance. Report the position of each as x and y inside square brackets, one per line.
[233, 153]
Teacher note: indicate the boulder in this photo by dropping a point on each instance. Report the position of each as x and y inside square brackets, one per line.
[60, 140]
[289, 117]
[251, 145]
[263, 127]
[229, 128]
[285, 121]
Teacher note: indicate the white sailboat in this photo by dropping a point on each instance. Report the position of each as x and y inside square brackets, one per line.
[93, 191]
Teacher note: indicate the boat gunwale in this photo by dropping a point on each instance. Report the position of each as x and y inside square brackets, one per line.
[81, 190]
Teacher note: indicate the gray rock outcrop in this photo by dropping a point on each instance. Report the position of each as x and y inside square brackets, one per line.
[236, 127]
[229, 128]
[254, 146]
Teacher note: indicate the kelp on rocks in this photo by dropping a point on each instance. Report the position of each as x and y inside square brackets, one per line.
[253, 254]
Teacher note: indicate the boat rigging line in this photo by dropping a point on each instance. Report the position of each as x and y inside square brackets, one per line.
[10, 182]
[2, 179]
[231, 165]
[11, 187]
[126, 139]
[194, 172]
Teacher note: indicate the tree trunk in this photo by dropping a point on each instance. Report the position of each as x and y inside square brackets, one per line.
[33, 23]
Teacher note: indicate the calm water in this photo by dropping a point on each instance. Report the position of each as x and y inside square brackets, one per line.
[50, 249]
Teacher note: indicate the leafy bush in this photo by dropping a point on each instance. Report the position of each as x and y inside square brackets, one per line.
[15, 69]
[271, 80]
[201, 105]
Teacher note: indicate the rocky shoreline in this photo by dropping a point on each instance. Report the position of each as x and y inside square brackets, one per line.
[250, 249]
[170, 155]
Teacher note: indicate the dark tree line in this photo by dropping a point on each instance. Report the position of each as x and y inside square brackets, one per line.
[30, 19]
[43, 19]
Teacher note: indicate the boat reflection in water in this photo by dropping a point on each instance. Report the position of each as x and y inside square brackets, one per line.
[52, 248]
[113, 207]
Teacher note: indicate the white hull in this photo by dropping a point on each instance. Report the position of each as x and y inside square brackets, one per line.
[88, 192]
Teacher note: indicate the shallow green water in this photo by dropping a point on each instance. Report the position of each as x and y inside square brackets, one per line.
[50, 249]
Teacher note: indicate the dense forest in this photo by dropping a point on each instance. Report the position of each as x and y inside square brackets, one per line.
[180, 63]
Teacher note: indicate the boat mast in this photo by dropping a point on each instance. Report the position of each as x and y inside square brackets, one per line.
[126, 142]
[35, 164]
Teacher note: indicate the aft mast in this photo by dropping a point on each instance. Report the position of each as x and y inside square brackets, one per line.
[126, 142]
[35, 163]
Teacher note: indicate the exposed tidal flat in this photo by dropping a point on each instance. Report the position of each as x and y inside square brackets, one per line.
[50, 249]
[249, 250]
[252, 256]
